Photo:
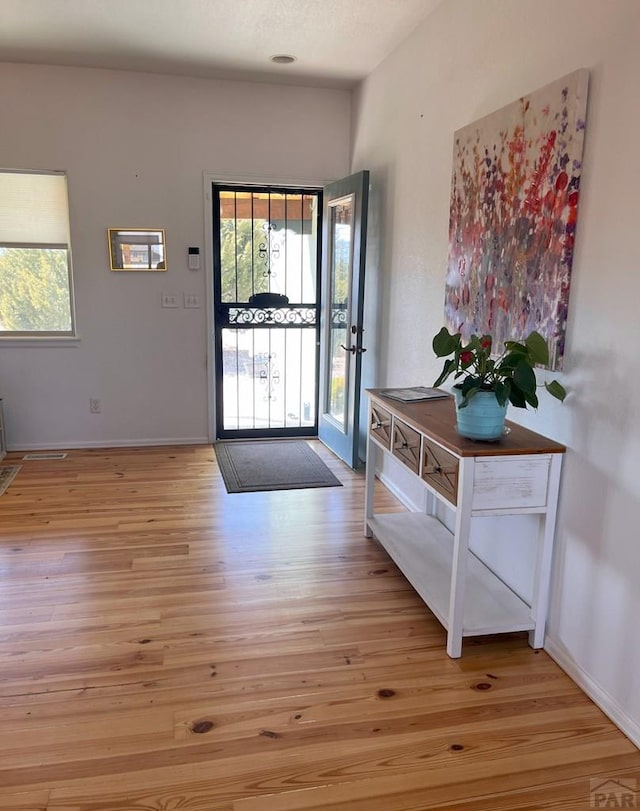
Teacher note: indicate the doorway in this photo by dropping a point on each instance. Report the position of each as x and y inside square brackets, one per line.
[266, 260]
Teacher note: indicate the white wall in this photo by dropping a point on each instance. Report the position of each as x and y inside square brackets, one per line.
[468, 59]
[135, 147]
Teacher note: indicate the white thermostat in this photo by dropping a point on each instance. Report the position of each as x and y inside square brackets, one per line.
[194, 258]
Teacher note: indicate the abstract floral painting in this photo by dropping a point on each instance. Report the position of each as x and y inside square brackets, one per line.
[514, 209]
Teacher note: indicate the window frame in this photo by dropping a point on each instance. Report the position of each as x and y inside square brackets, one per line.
[43, 337]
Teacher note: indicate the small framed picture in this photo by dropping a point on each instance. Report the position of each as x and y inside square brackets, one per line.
[137, 249]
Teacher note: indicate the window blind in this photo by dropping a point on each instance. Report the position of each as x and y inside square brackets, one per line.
[33, 208]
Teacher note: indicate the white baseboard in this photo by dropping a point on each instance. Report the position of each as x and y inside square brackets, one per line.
[402, 497]
[110, 443]
[607, 703]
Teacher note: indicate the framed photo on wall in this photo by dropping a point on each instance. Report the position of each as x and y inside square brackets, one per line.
[141, 249]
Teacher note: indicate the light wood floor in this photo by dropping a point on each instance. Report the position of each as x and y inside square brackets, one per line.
[165, 646]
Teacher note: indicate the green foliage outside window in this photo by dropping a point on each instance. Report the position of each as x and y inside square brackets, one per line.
[34, 290]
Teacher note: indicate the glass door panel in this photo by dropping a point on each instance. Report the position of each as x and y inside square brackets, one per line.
[339, 268]
[267, 382]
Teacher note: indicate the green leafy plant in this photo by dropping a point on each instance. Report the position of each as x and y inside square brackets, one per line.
[510, 375]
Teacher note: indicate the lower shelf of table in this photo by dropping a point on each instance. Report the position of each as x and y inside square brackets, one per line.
[422, 548]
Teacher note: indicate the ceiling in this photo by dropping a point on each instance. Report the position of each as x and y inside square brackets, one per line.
[336, 42]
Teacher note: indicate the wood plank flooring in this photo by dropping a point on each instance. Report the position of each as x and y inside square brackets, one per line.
[166, 646]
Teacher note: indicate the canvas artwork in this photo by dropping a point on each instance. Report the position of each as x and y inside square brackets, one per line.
[514, 209]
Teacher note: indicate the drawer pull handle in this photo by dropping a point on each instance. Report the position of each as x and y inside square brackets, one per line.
[437, 469]
[405, 444]
[377, 425]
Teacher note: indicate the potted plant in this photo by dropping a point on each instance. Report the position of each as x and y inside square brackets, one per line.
[489, 383]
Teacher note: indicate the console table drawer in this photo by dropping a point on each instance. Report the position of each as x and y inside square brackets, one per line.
[440, 470]
[511, 482]
[380, 426]
[406, 445]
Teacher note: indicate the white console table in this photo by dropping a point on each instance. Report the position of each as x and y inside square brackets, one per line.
[520, 474]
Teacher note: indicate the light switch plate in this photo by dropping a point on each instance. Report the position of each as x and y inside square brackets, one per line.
[191, 301]
[170, 300]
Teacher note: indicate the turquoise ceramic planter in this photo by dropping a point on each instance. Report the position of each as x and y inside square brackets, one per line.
[483, 417]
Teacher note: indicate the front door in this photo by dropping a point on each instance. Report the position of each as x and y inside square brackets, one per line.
[266, 304]
[341, 340]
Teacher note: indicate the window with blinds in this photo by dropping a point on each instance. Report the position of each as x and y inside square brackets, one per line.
[36, 291]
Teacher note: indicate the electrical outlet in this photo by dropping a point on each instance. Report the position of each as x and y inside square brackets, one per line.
[170, 300]
[95, 406]
[191, 301]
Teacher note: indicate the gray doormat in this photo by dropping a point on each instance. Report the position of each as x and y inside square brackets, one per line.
[248, 467]
[7, 475]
